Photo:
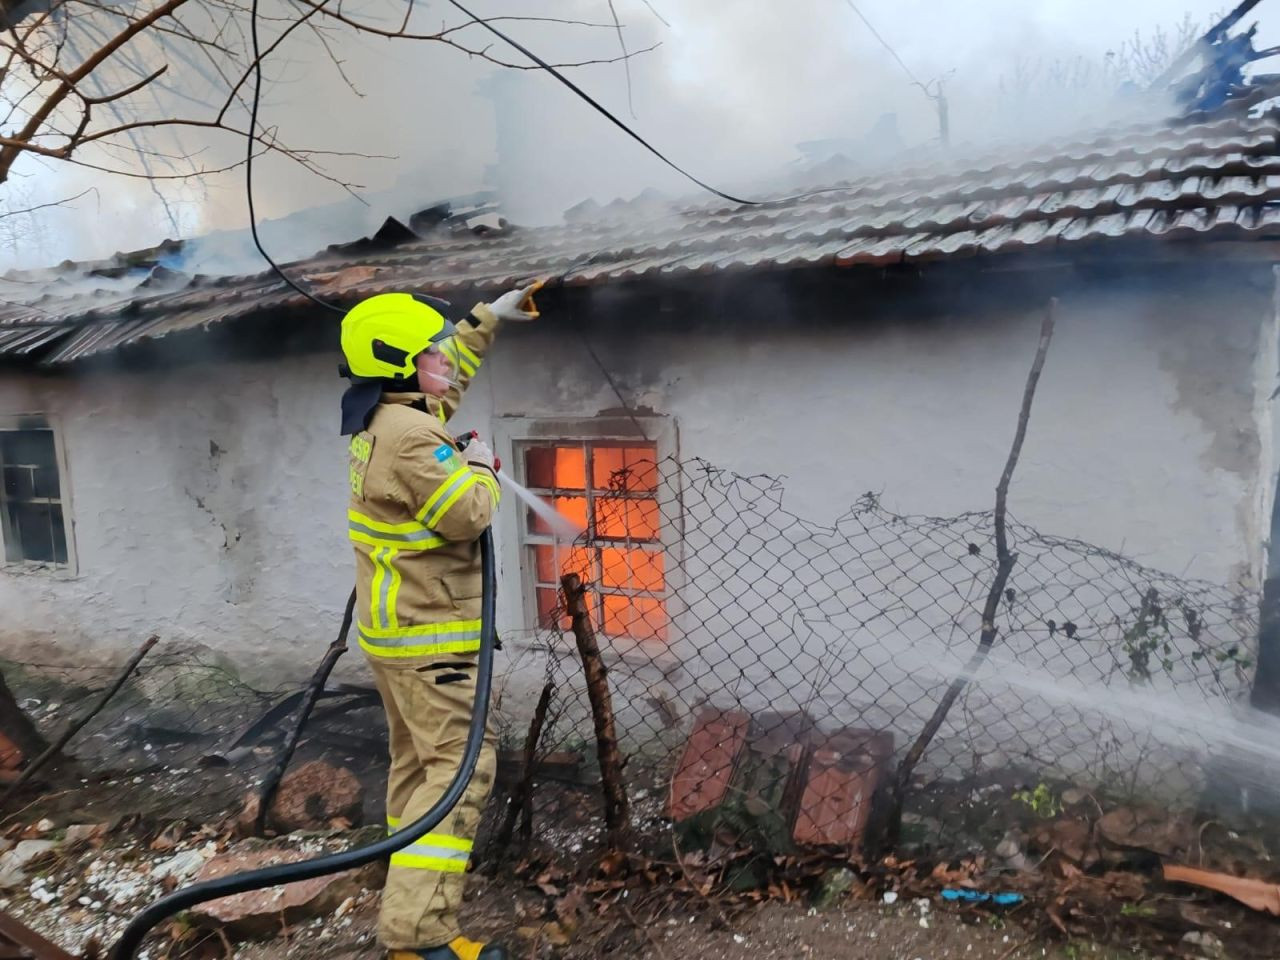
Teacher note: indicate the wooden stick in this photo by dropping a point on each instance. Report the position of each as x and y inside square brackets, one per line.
[56, 747]
[616, 808]
[1004, 566]
[271, 784]
[522, 795]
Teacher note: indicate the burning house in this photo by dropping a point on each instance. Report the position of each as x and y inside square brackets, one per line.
[167, 437]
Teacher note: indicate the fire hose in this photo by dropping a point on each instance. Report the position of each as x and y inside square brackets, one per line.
[127, 946]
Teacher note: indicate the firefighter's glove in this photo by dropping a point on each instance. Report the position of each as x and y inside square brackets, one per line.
[479, 454]
[516, 305]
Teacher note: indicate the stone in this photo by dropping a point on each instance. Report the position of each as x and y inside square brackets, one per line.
[248, 815]
[13, 863]
[1206, 945]
[834, 887]
[1153, 830]
[84, 833]
[180, 866]
[1010, 850]
[1069, 837]
[920, 831]
[260, 913]
[317, 796]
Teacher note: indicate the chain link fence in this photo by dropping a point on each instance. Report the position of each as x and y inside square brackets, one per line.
[790, 665]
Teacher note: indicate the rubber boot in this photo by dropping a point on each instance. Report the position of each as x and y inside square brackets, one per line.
[459, 949]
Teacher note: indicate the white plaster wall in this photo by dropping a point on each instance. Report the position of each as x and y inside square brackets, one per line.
[207, 502]
[1146, 436]
[207, 507]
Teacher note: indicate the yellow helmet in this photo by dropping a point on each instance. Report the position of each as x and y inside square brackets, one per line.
[382, 335]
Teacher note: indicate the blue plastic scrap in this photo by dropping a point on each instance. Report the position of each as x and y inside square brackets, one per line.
[977, 896]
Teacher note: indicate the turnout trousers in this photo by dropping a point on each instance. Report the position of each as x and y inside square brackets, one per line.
[429, 708]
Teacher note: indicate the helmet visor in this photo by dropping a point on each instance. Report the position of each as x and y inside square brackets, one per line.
[441, 363]
[462, 360]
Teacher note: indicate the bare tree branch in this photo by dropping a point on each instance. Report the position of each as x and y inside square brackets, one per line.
[121, 94]
[443, 37]
[121, 88]
[46, 206]
[10, 152]
[444, 32]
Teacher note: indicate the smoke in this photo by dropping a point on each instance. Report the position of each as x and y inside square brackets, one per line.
[745, 96]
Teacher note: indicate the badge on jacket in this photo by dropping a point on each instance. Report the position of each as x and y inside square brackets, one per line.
[361, 451]
[448, 457]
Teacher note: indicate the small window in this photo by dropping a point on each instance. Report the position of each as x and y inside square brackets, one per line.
[610, 490]
[32, 523]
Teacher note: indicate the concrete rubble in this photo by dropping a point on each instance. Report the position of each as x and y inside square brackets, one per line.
[316, 796]
[82, 884]
[13, 864]
[262, 912]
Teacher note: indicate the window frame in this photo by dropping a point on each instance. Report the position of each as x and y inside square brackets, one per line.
[13, 423]
[513, 435]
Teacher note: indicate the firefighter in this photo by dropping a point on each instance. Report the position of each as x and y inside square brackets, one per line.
[418, 506]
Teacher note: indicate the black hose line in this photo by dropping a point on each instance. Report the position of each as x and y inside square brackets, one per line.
[127, 946]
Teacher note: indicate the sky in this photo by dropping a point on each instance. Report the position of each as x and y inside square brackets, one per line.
[734, 89]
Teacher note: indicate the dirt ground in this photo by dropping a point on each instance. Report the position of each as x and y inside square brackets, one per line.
[79, 893]
[81, 897]
[82, 894]
[912, 931]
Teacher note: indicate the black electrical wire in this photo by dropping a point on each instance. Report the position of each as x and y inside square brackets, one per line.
[127, 946]
[248, 166]
[885, 43]
[604, 112]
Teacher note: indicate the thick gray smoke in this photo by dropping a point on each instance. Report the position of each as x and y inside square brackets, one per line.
[744, 94]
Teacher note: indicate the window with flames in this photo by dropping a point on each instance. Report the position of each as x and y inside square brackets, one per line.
[610, 490]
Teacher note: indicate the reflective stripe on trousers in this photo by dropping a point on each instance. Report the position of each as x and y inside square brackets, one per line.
[453, 636]
[435, 851]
